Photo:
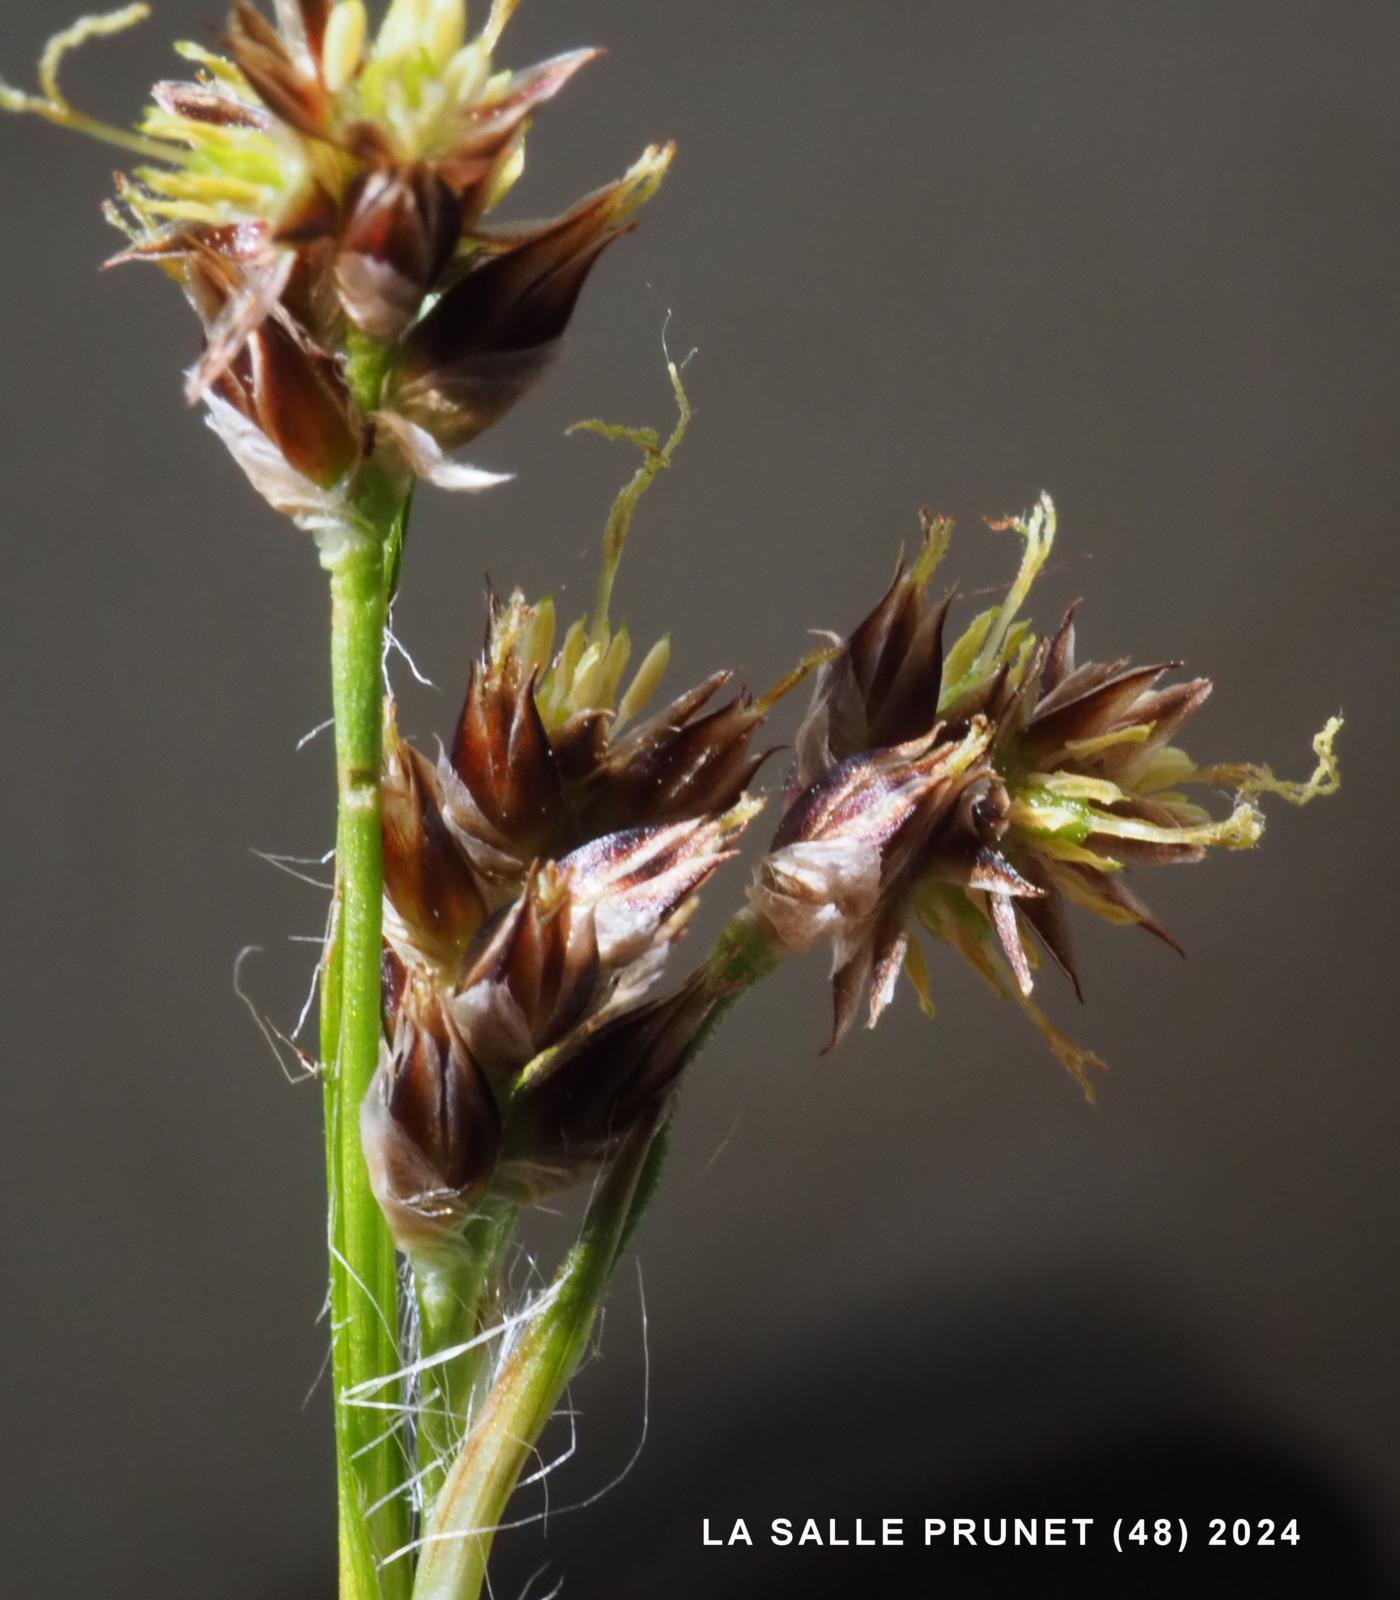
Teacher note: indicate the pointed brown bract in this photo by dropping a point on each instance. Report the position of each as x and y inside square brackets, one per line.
[298, 399]
[883, 687]
[261, 54]
[638, 880]
[532, 976]
[429, 1128]
[1097, 735]
[435, 902]
[495, 330]
[487, 137]
[198, 102]
[278, 380]
[677, 764]
[503, 791]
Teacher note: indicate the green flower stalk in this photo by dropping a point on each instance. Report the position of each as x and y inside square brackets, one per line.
[501, 1020]
[318, 189]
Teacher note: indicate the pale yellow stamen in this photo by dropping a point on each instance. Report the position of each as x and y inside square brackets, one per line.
[645, 683]
[809, 664]
[1080, 749]
[614, 665]
[957, 664]
[401, 32]
[1074, 786]
[587, 678]
[344, 45]
[575, 641]
[507, 172]
[1076, 854]
[465, 75]
[215, 65]
[1165, 769]
[445, 29]
[538, 641]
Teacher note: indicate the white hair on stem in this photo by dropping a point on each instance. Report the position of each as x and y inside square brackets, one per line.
[314, 733]
[540, 1476]
[279, 1043]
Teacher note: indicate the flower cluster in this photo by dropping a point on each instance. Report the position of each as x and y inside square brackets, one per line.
[536, 876]
[318, 190]
[971, 793]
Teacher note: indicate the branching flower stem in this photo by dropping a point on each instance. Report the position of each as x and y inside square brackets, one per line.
[472, 1500]
[457, 1541]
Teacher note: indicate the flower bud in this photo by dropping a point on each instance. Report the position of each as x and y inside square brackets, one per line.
[883, 687]
[402, 228]
[298, 399]
[401, 29]
[532, 975]
[851, 848]
[587, 935]
[435, 904]
[429, 1127]
[502, 791]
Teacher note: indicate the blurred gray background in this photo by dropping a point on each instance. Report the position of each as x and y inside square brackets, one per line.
[1143, 255]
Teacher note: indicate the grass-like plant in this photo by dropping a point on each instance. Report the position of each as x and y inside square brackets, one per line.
[496, 1020]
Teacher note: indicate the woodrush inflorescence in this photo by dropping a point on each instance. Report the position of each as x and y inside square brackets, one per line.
[497, 1020]
[319, 192]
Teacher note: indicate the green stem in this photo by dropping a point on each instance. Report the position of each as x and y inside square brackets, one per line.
[364, 1286]
[458, 1299]
[473, 1499]
[743, 955]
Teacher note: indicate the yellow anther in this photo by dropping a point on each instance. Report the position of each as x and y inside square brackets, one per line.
[343, 48]
[507, 172]
[465, 75]
[445, 29]
[614, 665]
[588, 677]
[644, 684]
[570, 652]
[537, 642]
[401, 32]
